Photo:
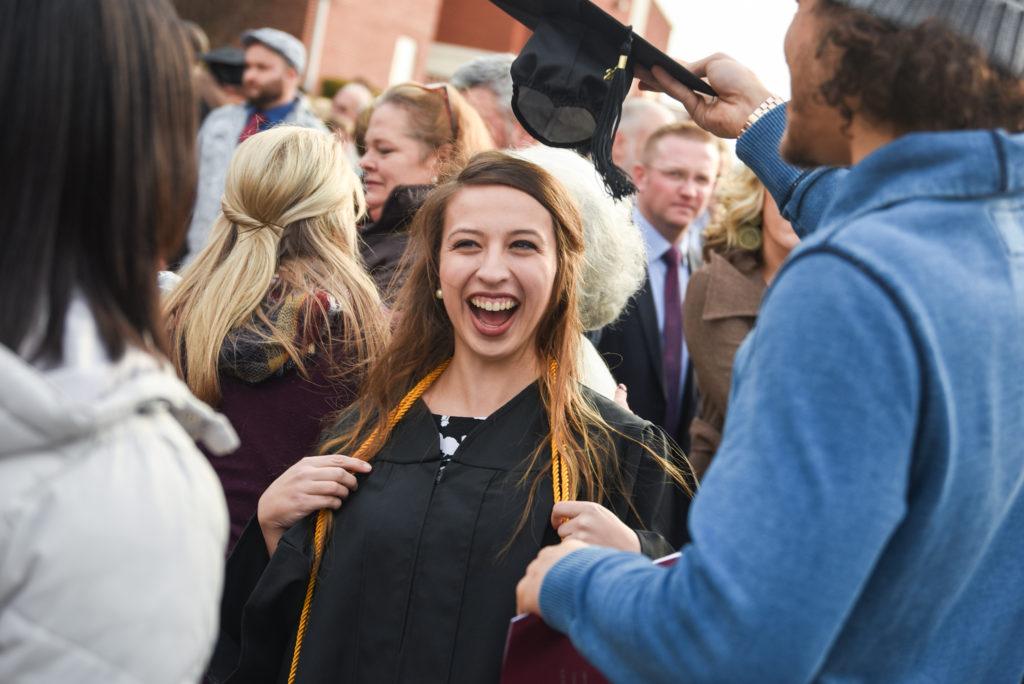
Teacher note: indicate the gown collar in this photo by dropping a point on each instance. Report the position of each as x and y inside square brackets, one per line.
[511, 434]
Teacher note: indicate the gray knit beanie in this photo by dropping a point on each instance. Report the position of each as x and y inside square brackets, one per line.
[996, 26]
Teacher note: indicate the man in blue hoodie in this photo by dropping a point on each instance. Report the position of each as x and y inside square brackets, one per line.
[863, 520]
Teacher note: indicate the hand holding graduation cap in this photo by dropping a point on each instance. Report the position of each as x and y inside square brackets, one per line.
[739, 90]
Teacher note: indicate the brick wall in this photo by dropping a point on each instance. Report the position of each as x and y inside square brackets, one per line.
[617, 8]
[360, 38]
[658, 29]
[224, 22]
[479, 24]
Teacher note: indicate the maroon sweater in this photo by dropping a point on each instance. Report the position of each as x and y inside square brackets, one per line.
[279, 421]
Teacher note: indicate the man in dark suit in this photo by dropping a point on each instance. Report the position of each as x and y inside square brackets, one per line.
[646, 348]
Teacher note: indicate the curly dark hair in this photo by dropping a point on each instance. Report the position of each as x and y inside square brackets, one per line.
[925, 78]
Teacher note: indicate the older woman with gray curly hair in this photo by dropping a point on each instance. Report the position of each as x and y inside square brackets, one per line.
[614, 259]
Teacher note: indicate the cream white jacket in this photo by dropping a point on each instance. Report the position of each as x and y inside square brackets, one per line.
[112, 525]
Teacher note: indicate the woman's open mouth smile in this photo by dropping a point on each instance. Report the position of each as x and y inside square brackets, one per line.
[493, 316]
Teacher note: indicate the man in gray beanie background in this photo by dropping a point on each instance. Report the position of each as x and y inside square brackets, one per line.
[274, 64]
[863, 520]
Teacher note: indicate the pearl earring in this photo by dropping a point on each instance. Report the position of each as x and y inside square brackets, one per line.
[439, 294]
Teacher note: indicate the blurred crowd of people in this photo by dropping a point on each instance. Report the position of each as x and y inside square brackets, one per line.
[312, 389]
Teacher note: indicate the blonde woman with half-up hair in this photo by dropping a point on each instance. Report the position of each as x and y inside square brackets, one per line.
[484, 447]
[275, 320]
[744, 245]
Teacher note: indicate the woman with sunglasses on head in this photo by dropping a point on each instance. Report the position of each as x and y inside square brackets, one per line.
[481, 447]
[416, 136]
[275, 320]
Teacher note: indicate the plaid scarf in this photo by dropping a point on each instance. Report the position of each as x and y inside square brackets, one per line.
[251, 355]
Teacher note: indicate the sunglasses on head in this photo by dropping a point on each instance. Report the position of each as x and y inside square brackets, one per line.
[442, 90]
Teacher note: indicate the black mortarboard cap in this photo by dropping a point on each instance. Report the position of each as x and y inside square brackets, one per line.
[571, 77]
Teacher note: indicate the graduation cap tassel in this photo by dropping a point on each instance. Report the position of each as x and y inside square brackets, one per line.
[620, 78]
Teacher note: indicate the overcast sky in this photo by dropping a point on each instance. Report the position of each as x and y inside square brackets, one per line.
[749, 30]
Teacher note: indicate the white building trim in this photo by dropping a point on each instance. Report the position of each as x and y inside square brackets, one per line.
[316, 48]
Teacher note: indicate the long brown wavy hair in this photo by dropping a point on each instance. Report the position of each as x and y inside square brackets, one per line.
[424, 337]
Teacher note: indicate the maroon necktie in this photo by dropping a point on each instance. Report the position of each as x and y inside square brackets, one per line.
[252, 126]
[672, 338]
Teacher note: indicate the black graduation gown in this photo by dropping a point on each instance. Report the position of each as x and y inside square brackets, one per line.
[417, 584]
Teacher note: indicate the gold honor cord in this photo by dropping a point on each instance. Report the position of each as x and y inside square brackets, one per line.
[559, 478]
[559, 473]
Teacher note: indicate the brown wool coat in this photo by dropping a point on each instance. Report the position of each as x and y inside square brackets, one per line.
[721, 305]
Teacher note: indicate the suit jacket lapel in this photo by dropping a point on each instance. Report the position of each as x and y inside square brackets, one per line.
[652, 336]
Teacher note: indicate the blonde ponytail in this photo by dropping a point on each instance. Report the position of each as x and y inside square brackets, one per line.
[289, 211]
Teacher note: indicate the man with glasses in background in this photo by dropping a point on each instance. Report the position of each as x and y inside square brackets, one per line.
[675, 178]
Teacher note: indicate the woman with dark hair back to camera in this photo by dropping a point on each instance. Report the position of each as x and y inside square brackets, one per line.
[480, 438]
[275, 320]
[112, 524]
[416, 136]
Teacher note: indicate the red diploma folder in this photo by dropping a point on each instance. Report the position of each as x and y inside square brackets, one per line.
[537, 654]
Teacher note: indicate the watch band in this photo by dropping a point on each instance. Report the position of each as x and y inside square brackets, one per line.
[768, 105]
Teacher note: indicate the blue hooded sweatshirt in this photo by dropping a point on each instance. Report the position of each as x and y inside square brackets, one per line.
[863, 519]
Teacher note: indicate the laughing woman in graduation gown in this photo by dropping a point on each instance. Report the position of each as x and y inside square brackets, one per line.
[472, 446]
